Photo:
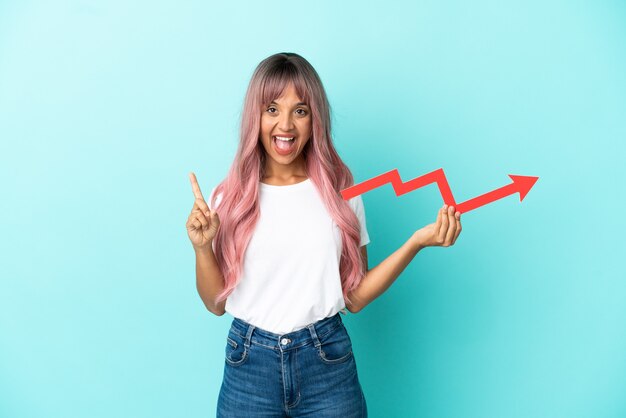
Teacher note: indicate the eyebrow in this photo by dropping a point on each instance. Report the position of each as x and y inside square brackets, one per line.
[297, 104]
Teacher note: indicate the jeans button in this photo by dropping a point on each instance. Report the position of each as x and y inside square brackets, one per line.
[284, 341]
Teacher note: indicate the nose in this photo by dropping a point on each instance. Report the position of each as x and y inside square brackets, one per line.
[285, 122]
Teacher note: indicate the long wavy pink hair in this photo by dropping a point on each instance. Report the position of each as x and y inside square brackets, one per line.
[239, 208]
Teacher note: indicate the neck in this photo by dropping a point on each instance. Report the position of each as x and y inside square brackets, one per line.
[295, 171]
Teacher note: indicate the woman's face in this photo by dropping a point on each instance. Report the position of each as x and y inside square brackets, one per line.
[286, 117]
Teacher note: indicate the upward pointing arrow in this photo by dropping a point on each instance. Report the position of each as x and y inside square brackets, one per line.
[521, 185]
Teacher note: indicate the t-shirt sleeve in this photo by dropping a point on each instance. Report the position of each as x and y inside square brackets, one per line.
[217, 202]
[359, 209]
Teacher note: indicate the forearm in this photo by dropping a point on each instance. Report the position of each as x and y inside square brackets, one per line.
[378, 279]
[209, 280]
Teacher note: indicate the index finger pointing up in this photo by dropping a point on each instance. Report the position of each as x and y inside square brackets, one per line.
[195, 186]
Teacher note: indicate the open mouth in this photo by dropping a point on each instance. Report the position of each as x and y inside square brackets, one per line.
[284, 145]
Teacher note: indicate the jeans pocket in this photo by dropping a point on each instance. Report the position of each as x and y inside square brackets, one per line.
[236, 352]
[336, 346]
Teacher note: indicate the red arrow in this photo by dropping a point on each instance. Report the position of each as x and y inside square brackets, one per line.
[521, 185]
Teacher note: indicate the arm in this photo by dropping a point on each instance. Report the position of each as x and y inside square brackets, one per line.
[443, 232]
[378, 279]
[202, 226]
[209, 280]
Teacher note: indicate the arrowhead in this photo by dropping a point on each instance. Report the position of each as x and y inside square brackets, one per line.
[523, 184]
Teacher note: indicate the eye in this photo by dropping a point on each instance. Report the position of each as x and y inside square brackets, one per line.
[304, 112]
[269, 108]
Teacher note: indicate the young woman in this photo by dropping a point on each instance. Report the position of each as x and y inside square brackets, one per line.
[283, 253]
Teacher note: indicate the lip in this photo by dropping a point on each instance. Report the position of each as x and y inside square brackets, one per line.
[281, 152]
[284, 135]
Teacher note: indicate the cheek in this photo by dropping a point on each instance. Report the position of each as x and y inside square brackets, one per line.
[306, 128]
[265, 129]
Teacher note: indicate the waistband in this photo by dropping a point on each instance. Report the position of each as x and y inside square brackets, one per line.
[311, 332]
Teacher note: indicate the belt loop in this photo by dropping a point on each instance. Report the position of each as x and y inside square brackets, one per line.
[316, 341]
[249, 335]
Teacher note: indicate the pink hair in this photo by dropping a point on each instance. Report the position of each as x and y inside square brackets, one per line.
[239, 208]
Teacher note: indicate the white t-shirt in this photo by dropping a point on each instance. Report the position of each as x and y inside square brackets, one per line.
[291, 265]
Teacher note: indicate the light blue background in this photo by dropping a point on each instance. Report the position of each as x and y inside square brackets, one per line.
[105, 107]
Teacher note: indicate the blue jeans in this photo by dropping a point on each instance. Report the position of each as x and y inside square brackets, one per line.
[310, 372]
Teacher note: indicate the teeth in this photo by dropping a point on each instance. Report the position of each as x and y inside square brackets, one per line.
[283, 138]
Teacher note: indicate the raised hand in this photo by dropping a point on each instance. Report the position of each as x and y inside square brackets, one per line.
[443, 232]
[203, 223]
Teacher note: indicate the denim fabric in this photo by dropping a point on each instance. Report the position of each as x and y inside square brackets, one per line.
[310, 372]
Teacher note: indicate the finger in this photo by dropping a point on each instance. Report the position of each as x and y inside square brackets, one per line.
[458, 226]
[194, 219]
[203, 220]
[443, 228]
[202, 206]
[451, 226]
[439, 224]
[198, 219]
[193, 223]
[438, 221]
[195, 186]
